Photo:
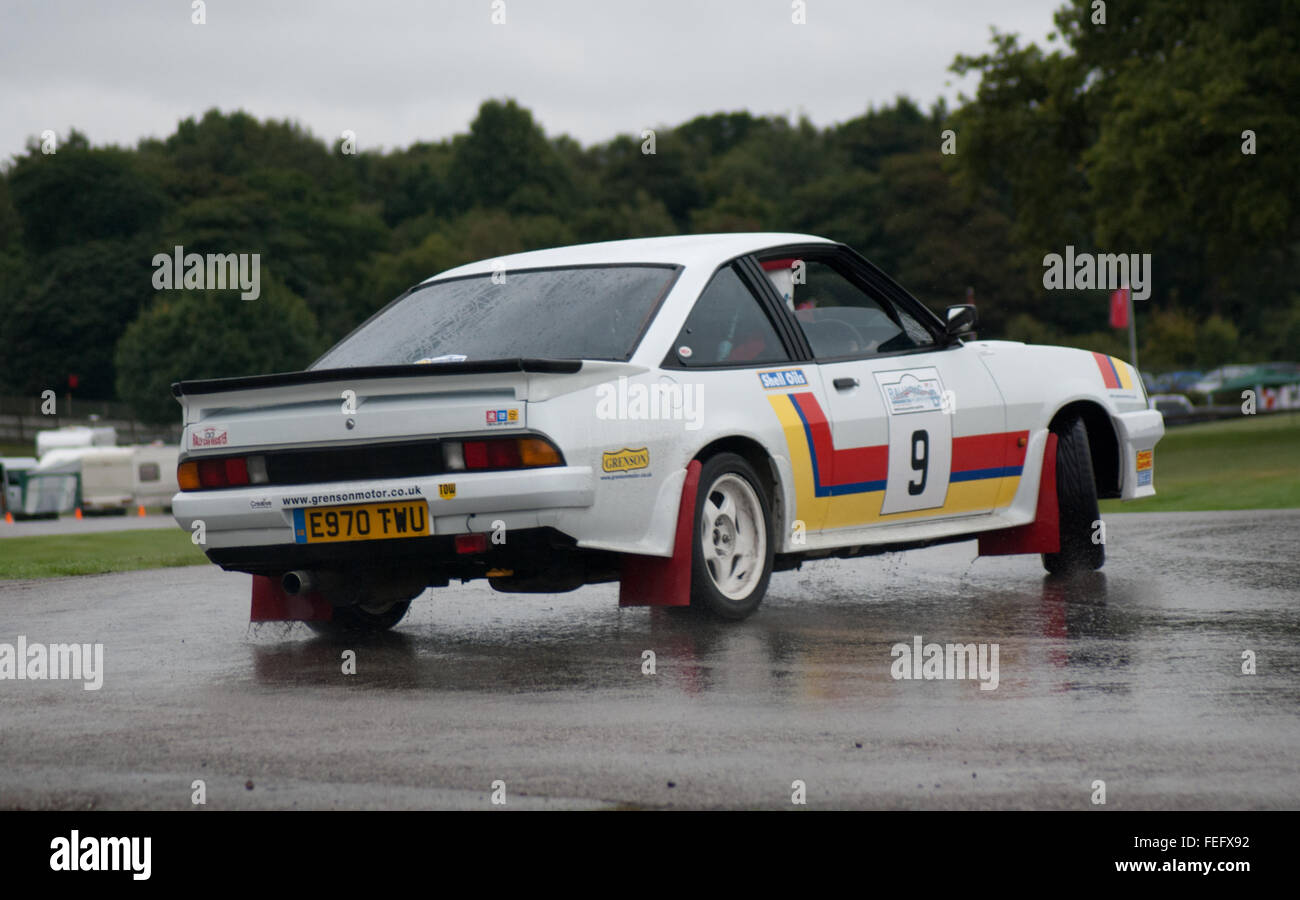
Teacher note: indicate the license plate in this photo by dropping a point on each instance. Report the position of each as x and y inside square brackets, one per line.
[364, 522]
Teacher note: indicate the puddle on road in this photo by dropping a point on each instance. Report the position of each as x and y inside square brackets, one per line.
[1090, 635]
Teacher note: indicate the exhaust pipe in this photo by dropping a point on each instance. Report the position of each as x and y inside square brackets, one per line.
[297, 582]
[344, 588]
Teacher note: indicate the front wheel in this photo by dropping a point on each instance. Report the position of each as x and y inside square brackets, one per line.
[732, 551]
[1076, 498]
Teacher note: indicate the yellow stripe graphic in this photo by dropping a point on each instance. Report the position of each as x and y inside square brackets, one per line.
[849, 510]
[1125, 373]
[808, 506]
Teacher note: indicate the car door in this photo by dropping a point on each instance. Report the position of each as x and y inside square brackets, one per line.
[738, 347]
[912, 429]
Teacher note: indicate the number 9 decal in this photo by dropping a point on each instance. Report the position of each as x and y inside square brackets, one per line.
[920, 440]
[920, 461]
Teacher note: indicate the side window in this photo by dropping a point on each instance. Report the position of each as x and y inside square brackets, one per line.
[915, 330]
[728, 327]
[149, 471]
[839, 318]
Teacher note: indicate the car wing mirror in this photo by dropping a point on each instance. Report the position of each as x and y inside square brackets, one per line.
[960, 321]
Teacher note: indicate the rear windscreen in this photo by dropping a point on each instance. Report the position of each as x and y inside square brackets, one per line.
[594, 312]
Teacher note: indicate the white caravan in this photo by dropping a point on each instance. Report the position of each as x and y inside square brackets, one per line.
[72, 436]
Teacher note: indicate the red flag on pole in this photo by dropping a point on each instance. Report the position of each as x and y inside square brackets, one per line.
[1119, 308]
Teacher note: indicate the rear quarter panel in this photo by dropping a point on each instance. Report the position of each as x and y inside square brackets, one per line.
[638, 444]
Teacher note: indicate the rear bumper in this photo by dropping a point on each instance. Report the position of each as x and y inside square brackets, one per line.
[434, 559]
[262, 515]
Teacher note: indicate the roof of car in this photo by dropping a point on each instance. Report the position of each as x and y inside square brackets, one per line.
[684, 250]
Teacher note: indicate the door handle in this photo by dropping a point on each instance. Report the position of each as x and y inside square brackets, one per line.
[844, 384]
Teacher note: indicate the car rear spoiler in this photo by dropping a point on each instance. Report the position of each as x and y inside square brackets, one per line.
[316, 376]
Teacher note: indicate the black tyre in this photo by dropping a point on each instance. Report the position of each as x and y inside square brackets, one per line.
[1076, 497]
[731, 550]
[350, 621]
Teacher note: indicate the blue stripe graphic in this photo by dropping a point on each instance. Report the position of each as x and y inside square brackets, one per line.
[835, 490]
[980, 474]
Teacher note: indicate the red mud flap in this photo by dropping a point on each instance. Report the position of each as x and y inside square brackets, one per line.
[654, 580]
[1043, 535]
[272, 604]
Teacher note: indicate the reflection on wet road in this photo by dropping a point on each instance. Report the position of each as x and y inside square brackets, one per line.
[1132, 676]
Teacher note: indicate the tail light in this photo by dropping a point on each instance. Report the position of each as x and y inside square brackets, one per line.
[187, 476]
[471, 543]
[500, 453]
[489, 454]
[229, 471]
[212, 473]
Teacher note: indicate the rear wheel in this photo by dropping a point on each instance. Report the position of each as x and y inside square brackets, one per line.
[1076, 497]
[357, 620]
[732, 550]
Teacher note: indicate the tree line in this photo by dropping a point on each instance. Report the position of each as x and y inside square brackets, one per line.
[1168, 129]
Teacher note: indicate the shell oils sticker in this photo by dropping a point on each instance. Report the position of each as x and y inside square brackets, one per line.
[624, 463]
[447, 491]
[782, 379]
[1145, 466]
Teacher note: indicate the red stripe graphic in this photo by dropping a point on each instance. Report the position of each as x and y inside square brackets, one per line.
[1108, 373]
[855, 465]
[988, 451]
[836, 467]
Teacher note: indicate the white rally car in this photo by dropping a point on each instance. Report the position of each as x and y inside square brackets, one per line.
[683, 414]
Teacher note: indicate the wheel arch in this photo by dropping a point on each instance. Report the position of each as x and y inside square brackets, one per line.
[1103, 443]
[754, 453]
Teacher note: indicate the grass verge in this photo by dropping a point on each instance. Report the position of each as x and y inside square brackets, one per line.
[49, 556]
[1247, 463]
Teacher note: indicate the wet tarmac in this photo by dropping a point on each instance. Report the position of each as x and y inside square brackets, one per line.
[1132, 677]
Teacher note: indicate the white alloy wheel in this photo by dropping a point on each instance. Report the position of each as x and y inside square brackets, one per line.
[733, 535]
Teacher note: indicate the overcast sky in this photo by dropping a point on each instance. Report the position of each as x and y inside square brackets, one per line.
[397, 72]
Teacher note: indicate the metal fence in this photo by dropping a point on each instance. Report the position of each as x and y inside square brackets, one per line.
[21, 417]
